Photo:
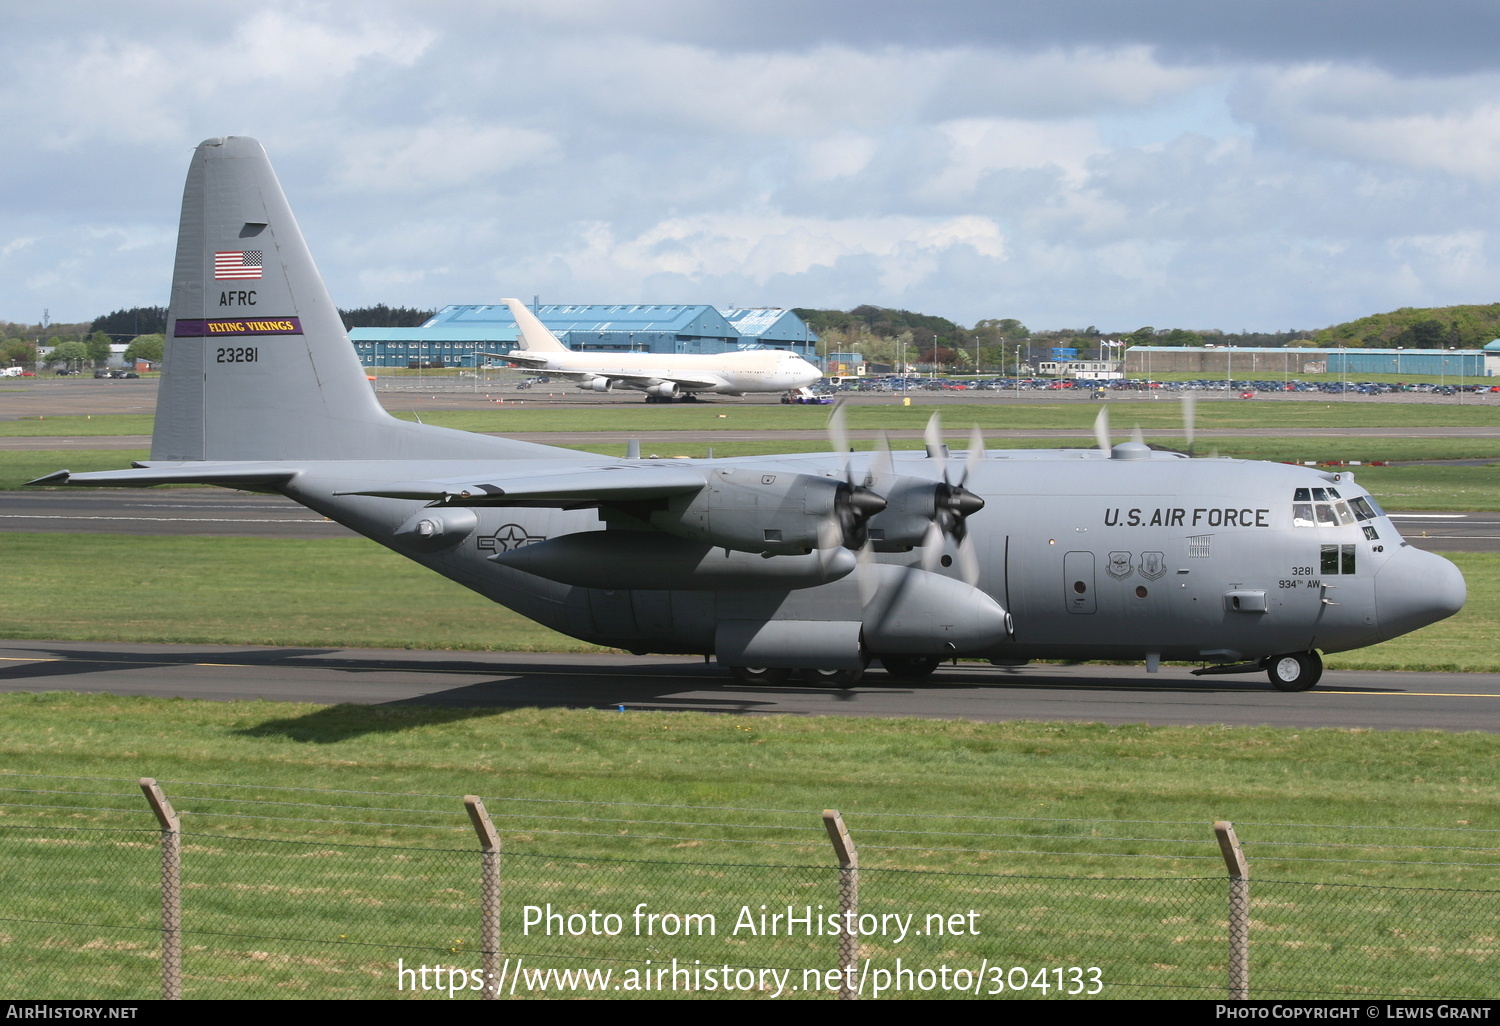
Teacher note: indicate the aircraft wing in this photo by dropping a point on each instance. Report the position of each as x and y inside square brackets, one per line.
[631, 378]
[524, 359]
[637, 380]
[564, 489]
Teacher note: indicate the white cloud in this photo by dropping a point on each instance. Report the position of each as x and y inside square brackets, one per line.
[1371, 117]
[273, 66]
[757, 247]
[442, 155]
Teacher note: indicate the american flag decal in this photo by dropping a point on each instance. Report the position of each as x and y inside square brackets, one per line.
[235, 265]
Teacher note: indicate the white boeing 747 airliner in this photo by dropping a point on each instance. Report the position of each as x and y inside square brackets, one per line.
[662, 376]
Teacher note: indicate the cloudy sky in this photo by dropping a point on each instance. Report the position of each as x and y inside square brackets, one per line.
[1266, 164]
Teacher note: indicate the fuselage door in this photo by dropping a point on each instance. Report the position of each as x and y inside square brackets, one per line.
[1078, 582]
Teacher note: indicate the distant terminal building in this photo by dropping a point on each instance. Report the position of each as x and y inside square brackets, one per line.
[1082, 370]
[1268, 362]
[457, 334]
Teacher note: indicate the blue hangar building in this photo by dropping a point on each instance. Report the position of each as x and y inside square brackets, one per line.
[456, 335]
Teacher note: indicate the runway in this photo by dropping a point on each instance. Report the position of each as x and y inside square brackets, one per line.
[1348, 699]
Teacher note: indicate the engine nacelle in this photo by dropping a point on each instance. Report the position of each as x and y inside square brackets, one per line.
[902, 525]
[663, 390]
[596, 384]
[754, 511]
[914, 612]
[913, 506]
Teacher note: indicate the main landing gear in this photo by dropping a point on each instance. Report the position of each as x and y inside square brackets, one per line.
[903, 667]
[910, 667]
[764, 675]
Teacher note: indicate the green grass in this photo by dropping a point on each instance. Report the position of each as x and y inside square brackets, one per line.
[874, 770]
[86, 426]
[1433, 488]
[242, 591]
[1032, 826]
[352, 593]
[17, 466]
[1155, 415]
[1161, 415]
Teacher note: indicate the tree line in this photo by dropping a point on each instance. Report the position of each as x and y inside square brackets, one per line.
[881, 335]
[144, 329]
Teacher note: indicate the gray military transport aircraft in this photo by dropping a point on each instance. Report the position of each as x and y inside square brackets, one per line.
[815, 564]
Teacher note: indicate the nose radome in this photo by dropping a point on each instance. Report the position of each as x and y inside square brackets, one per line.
[1414, 589]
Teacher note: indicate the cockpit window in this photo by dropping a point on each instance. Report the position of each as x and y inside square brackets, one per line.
[1325, 507]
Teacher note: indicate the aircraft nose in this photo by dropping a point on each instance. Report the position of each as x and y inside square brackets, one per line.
[1414, 589]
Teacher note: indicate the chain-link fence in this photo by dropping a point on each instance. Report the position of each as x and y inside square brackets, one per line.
[711, 901]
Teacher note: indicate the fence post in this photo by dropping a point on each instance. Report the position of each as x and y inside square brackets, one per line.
[171, 890]
[489, 893]
[1239, 911]
[843, 847]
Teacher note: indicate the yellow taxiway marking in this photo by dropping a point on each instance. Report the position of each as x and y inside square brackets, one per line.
[1409, 694]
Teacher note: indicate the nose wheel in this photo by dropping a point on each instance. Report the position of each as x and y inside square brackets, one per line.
[1295, 672]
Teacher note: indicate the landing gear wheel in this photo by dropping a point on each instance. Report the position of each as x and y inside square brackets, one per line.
[832, 678]
[910, 667]
[1296, 672]
[760, 674]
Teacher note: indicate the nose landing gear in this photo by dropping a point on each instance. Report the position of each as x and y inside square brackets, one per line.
[1295, 672]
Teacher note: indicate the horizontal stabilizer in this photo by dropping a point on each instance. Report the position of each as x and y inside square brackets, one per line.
[229, 475]
[568, 488]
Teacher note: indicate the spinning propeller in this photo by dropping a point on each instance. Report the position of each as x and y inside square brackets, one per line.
[1102, 437]
[853, 504]
[913, 502]
[952, 504]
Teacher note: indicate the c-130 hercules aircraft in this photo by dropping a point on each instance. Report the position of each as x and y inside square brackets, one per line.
[815, 563]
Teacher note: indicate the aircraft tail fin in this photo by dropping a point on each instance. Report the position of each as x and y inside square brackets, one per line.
[258, 365]
[536, 337]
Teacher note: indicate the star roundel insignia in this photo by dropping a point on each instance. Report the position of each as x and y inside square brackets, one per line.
[508, 537]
